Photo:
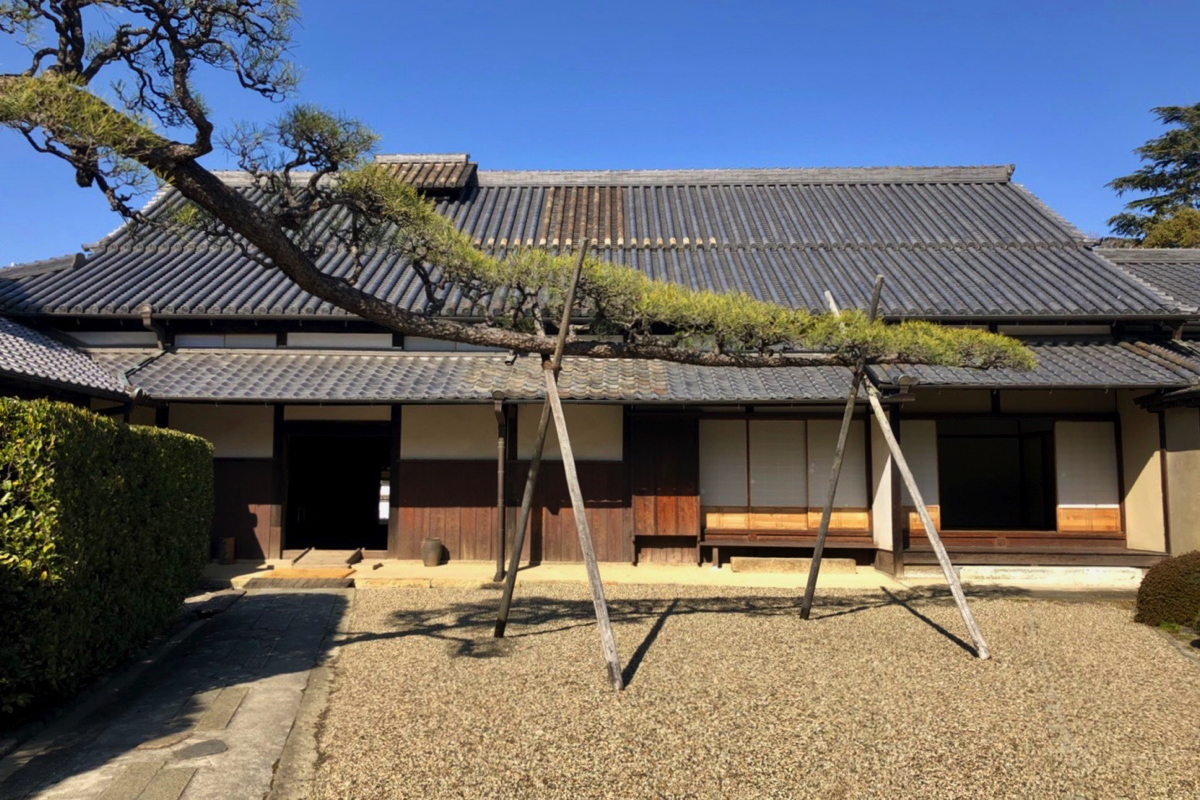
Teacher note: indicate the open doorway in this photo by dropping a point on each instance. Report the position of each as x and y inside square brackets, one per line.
[996, 474]
[337, 486]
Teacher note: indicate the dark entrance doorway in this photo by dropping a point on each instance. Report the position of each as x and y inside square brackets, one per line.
[335, 475]
[997, 474]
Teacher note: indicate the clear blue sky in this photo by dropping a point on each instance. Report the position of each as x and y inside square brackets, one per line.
[1061, 89]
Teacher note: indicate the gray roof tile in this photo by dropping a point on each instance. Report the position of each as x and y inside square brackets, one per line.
[33, 356]
[1061, 365]
[366, 377]
[1174, 272]
[952, 242]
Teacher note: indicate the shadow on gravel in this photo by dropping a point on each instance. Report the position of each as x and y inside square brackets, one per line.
[467, 627]
[197, 685]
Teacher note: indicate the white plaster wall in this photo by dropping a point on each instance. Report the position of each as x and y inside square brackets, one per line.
[778, 461]
[235, 431]
[1142, 468]
[115, 338]
[597, 432]
[448, 433]
[337, 341]
[881, 481]
[1183, 478]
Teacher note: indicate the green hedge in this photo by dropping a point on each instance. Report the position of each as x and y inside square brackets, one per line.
[103, 530]
[1170, 592]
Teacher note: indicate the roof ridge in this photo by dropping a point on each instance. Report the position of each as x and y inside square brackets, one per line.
[1150, 255]
[798, 175]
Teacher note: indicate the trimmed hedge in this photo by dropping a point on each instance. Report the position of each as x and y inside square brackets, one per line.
[104, 529]
[1170, 592]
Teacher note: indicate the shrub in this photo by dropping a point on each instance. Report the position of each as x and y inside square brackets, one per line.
[103, 530]
[1170, 592]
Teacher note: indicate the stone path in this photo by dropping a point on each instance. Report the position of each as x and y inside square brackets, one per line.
[208, 720]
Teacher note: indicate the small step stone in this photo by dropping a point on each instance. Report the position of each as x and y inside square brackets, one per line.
[829, 566]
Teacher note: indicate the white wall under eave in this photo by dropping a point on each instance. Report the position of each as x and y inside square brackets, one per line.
[883, 488]
[235, 431]
[1141, 465]
[1183, 478]
[448, 433]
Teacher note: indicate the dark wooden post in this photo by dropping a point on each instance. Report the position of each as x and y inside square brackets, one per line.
[981, 648]
[501, 436]
[835, 472]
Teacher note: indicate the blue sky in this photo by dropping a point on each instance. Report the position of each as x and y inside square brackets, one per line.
[1061, 89]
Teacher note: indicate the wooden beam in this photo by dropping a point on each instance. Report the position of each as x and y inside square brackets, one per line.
[835, 471]
[607, 642]
[935, 541]
[501, 511]
[514, 561]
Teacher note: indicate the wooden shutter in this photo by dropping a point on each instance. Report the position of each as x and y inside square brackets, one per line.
[1089, 492]
[918, 439]
[778, 464]
[850, 500]
[723, 463]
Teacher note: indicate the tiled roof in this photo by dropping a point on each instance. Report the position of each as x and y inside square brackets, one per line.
[432, 173]
[363, 377]
[1062, 365]
[1172, 271]
[33, 356]
[951, 242]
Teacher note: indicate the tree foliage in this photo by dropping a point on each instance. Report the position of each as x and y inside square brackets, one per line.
[1170, 180]
[148, 123]
[1182, 229]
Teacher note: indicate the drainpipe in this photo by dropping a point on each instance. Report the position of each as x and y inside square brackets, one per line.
[147, 313]
[501, 436]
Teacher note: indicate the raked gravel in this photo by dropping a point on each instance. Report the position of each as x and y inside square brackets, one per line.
[732, 695]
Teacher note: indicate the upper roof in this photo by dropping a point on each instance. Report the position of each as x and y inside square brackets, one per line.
[1172, 271]
[35, 357]
[952, 243]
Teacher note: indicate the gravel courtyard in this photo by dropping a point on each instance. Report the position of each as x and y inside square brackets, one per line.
[730, 694]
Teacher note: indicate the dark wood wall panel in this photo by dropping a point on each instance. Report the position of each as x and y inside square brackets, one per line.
[665, 471]
[454, 501]
[551, 534]
[243, 506]
[667, 550]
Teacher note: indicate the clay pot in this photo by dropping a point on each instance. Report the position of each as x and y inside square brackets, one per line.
[431, 552]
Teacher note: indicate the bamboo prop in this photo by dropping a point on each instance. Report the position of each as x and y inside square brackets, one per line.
[607, 643]
[981, 648]
[535, 463]
[835, 471]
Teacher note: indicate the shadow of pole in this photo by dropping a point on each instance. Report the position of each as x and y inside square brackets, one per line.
[896, 600]
[635, 660]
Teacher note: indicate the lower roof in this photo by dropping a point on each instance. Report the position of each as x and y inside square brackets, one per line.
[32, 356]
[302, 376]
[344, 376]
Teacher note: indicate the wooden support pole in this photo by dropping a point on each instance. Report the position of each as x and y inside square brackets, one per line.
[835, 471]
[501, 510]
[981, 648]
[607, 643]
[514, 561]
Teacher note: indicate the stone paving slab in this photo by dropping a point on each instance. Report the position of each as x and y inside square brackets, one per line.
[209, 719]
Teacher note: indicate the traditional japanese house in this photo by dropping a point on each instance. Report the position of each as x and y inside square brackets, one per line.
[333, 433]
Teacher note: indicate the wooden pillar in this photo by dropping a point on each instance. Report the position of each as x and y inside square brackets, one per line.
[394, 532]
[276, 530]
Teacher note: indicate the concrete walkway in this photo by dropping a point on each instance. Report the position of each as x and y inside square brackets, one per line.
[388, 573]
[209, 719]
